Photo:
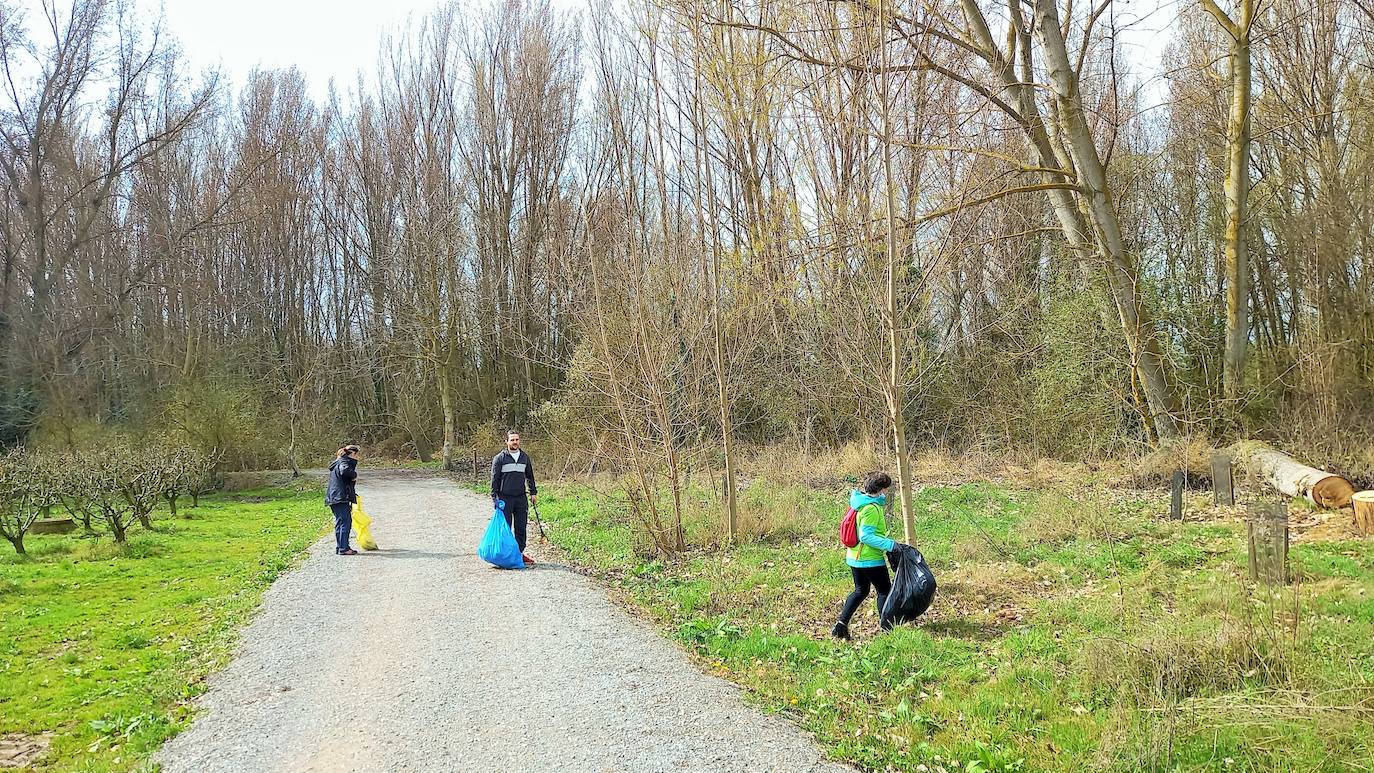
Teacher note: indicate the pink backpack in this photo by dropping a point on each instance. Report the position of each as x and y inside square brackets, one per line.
[849, 528]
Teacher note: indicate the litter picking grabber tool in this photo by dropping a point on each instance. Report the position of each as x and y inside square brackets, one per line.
[543, 538]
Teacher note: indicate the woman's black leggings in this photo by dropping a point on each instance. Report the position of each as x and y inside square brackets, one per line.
[864, 578]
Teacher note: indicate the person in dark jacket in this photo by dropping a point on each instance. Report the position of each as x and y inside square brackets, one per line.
[511, 472]
[340, 494]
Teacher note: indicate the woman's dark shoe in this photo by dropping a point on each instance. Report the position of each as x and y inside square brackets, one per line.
[349, 552]
[840, 631]
[528, 561]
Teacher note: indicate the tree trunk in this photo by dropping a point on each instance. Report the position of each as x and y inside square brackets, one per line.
[1237, 196]
[894, 388]
[446, 403]
[1123, 276]
[290, 451]
[172, 504]
[18, 542]
[711, 271]
[417, 439]
[727, 432]
[85, 519]
[1290, 477]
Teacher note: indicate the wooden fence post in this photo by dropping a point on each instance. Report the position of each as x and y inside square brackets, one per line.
[1176, 497]
[1266, 531]
[1223, 487]
[475, 476]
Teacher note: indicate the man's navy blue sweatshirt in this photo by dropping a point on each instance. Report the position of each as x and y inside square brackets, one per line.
[509, 475]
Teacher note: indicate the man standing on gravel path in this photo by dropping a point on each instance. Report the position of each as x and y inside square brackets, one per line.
[511, 470]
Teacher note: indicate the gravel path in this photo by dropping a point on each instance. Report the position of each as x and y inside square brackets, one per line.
[421, 657]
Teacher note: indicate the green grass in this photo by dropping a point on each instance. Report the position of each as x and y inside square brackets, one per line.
[104, 646]
[1068, 634]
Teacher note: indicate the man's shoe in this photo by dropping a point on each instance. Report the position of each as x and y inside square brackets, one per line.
[349, 552]
[840, 631]
[528, 561]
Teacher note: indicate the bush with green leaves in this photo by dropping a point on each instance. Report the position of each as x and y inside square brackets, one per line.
[222, 417]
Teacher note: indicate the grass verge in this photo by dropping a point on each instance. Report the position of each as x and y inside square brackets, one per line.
[103, 647]
[1071, 632]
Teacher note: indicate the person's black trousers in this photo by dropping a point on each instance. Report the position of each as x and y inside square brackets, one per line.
[864, 578]
[518, 516]
[343, 524]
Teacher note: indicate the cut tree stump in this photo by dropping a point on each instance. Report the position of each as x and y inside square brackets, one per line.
[1364, 511]
[1287, 475]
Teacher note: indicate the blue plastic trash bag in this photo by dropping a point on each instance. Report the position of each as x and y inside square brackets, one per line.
[498, 545]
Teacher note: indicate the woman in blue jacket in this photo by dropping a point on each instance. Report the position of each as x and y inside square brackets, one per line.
[340, 494]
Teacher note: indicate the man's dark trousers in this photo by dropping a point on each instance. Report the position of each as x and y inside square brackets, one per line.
[343, 524]
[518, 516]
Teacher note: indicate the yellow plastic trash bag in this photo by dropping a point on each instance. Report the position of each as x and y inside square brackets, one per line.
[362, 523]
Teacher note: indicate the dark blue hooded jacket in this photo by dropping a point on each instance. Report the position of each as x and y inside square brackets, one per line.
[343, 476]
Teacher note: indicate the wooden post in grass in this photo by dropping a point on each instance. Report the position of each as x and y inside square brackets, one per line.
[475, 476]
[1266, 530]
[1176, 498]
[1364, 511]
[1223, 486]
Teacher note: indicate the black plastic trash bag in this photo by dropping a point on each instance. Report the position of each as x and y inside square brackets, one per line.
[912, 589]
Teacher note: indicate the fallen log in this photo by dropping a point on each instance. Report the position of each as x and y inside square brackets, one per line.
[1288, 476]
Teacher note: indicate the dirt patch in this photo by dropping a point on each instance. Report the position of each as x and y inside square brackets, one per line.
[20, 751]
[984, 600]
[1304, 524]
[1323, 526]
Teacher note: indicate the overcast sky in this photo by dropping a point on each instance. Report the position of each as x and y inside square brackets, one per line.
[324, 38]
[336, 38]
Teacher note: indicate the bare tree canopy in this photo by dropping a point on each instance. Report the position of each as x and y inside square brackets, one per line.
[661, 232]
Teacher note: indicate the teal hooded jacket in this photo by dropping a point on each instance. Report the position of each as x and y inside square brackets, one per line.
[873, 540]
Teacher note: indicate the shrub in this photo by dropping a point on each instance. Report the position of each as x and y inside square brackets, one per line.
[1191, 454]
[143, 483]
[221, 418]
[116, 485]
[90, 488]
[185, 471]
[23, 496]
[1074, 383]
